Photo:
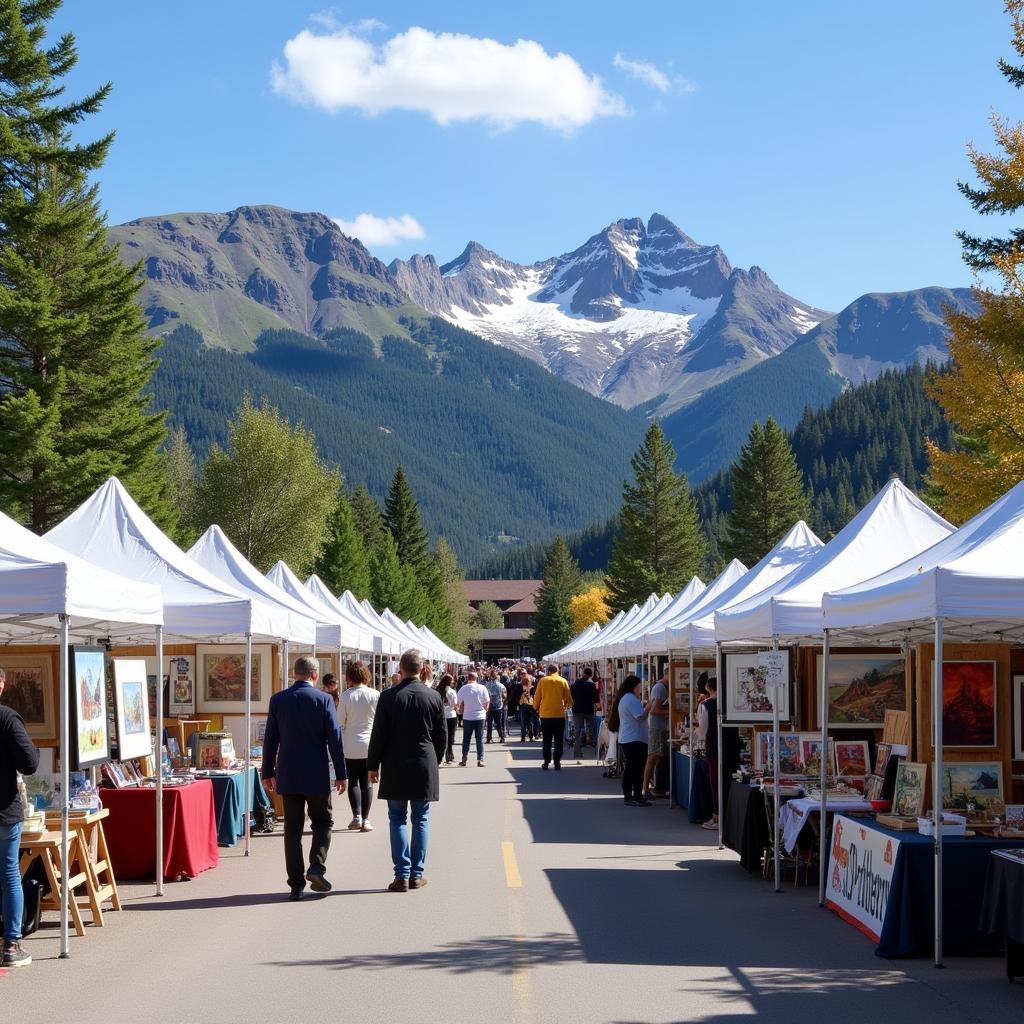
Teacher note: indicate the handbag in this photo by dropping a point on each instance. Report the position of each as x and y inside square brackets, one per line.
[32, 889]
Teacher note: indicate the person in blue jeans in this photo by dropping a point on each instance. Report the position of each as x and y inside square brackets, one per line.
[407, 744]
[474, 704]
[17, 754]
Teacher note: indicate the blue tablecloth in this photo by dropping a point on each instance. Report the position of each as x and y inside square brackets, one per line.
[700, 809]
[229, 800]
[908, 927]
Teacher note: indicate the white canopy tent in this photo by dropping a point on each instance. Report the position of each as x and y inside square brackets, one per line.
[342, 635]
[367, 638]
[628, 641]
[111, 530]
[578, 648]
[893, 526]
[580, 638]
[604, 648]
[639, 641]
[48, 595]
[969, 586]
[384, 641]
[448, 655]
[673, 633]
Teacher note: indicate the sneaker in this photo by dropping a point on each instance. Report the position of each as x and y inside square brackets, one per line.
[711, 825]
[479, 764]
[630, 803]
[462, 764]
[644, 803]
[399, 885]
[295, 895]
[356, 824]
[367, 827]
[579, 762]
[417, 883]
[558, 767]
[15, 956]
[545, 766]
[317, 882]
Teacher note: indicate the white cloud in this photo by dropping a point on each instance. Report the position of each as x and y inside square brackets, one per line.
[650, 74]
[372, 230]
[450, 77]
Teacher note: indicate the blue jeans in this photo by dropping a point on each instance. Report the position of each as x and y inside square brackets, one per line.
[408, 857]
[469, 729]
[10, 881]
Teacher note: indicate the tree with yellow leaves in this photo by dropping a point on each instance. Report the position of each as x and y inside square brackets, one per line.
[982, 393]
[589, 606]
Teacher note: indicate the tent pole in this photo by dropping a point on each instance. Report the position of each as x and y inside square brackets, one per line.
[671, 709]
[823, 710]
[693, 760]
[248, 733]
[65, 784]
[775, 768]
[937, 785]
[159, 759]
[718, 726]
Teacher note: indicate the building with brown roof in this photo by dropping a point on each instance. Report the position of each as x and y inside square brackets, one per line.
[517, 600]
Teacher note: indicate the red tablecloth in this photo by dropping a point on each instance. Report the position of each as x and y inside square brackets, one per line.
[190, 830]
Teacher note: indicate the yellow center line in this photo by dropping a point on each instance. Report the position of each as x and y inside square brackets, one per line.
[512, 876]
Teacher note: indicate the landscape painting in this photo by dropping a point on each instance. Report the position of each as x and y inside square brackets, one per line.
[224, 675]
[977, 785]
[90, 738]
[132, 708]
[29, 691]
[862, 687]
[969, 704]
[852, 758]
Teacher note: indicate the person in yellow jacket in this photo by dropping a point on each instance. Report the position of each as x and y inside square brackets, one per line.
[551, 699]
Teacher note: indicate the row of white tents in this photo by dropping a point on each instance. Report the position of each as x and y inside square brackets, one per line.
[896, 575]
[108, 574]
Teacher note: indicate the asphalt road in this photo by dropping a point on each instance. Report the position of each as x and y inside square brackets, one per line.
[548, 900]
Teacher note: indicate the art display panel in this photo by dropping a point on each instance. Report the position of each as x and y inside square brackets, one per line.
[969, 704]
[131, 707]
[29, 690]
[221, 678]
[180, 680]
[90, 739]
[862, 687]
[747, 697]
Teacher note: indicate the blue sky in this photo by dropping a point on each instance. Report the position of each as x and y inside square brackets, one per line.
[821, 141]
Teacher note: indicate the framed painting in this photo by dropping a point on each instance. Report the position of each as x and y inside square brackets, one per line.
[975, 785]
[327, 662]
[131, 707]
[29, 691]
[90, 739]
[969, 704]
[882, 754]
[810, 752]
[41, 787]
[221, 671]
[852, 758]
[1018, 717]
[909, 794]
[790, 753]
[180, 680]
[747, 698]
[862, 687]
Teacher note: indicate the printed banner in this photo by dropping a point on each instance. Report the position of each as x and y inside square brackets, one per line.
[860, 874]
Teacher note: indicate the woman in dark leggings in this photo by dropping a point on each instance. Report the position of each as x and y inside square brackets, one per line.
[628, 718]
[445, 687]
[355, 714]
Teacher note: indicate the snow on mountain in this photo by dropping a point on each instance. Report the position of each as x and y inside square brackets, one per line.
[620, 316]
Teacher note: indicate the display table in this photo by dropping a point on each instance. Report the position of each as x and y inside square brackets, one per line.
[700, 808]
[190, 830]
[229, 803]
[745, 824]
[1002, 907]
[794, 814]
[907, 924]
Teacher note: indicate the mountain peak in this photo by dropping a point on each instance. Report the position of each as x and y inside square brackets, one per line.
[659, 224]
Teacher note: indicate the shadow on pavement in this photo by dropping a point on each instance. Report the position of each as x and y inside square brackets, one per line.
[250, 899]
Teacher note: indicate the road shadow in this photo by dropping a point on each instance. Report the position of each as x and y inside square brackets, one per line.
[499, 954]
[248, 899]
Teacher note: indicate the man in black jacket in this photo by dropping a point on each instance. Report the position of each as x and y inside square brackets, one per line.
[407, 743]
[17, 754]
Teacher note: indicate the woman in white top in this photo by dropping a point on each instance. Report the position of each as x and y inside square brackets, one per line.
[450, 700]
[355, 715]
[629, 719]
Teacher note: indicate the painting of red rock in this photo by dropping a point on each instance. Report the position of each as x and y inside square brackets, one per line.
[969, 704]
[862, 687]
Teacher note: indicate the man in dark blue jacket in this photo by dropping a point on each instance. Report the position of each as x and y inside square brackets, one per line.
[302, 729]
[17, 754]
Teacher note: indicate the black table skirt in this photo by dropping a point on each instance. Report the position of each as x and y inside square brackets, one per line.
[1002, 906]
[745, 825]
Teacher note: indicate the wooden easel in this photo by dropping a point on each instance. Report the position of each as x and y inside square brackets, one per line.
[100, 884]
[48, 849]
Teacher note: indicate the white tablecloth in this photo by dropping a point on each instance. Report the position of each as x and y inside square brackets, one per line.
[793, 815]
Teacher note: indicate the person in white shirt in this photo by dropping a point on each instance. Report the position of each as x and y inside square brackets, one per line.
[446, 688]
[473, 704]
[629, 719]
[355, 715]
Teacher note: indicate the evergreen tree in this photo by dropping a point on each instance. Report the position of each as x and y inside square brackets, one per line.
[269, 490]
[180, 469]
[455, 591]
[392, 585]
[343, 564]
[553, 624]
[768, 494]
[368, 518]
[660, 544]
[74, 356]
[402, 518]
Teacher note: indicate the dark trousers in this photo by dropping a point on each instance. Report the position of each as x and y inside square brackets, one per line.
[552, 733]
[527, 722]
[296, 806]
[634, 756]
[713, 779]
[360, 789]
[496, 719]
[453, 724]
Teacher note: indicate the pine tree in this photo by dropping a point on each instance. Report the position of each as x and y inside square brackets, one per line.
[343, 564]
[74, 357]
[553, 624]
[455, 592]
[768, 494]
[180, 470]
[983, 393]
[369, 521]
[402, 518]
[660, 545]
[392, 585]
